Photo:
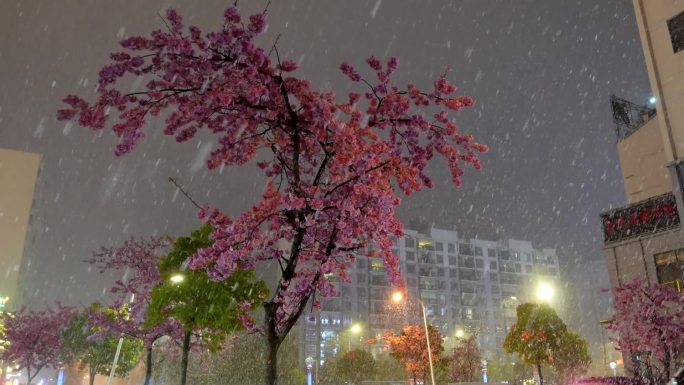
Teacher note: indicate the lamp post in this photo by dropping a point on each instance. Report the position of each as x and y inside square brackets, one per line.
[398, 297]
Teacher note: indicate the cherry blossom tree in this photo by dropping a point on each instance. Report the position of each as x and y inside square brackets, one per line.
[334, 169]
[466, 360]
[35, 339]
[649, 319]
[410, 348]
[138, 261]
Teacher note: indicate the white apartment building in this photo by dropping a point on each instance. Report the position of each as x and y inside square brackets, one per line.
[468, 286]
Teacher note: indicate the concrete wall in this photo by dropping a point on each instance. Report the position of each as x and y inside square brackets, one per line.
[634, 257]
[18, 174]
[642, 160]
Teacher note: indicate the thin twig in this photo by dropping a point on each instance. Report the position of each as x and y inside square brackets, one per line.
[274, 45]
[172, 180]
[165, 23]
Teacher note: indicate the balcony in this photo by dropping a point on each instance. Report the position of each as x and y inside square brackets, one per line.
[642, 218]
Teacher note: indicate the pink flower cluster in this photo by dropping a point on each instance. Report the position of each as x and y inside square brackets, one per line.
[335, 170]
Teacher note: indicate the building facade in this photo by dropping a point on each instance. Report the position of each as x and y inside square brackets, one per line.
[468, 286]
[645, 238]
[19, 172]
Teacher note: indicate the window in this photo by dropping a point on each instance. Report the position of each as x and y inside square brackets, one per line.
[451, 248]
[676, 28]
[491, 253]
[528, 269]
[518, 268]
[478, 251]
[492, 265]
[377, 265]
[493, 276]
[440, 259]
[670, 267]
[410, 269]
[465, 249]
[479, 263]
[409, 242]
[453, 260]
[453, 273]
[439, 246]
[410, 256]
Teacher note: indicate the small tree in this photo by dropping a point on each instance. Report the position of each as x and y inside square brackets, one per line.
[536, 335]
[138, 260]
[389, 369]
[572, 358]
[466, 360]
[206, 308]
[649, 319]
[34, 339]
[355, 366]
[410, 348]
[335, 169]
[95, 352]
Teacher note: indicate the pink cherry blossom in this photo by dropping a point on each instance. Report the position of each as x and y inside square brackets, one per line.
[335, 170]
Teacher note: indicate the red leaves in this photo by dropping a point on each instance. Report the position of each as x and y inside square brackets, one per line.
[410, 347]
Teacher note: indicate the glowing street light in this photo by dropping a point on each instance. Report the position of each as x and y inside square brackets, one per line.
[177, 278]
[545, 292]
[460, 333]
[354, 329]
[397, 297]
[652, 100]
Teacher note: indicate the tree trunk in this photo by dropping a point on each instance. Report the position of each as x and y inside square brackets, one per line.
[273, 344]
[184, 359]
[91, 376]
[272, 364]
[28, 376]
[148, 366]
[666, 367]
[541, 378]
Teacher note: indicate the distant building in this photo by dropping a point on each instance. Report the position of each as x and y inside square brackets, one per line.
[645, 238]
[468, 286]
[18, 175]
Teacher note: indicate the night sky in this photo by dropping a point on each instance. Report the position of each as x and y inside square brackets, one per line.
[541, 72]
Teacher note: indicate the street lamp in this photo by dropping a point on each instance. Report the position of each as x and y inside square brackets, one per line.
[460, 333]
[177, 278]
[354, 329]
[545, 292]
[398, 296]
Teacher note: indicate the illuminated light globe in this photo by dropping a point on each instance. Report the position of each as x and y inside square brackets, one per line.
[545, 292]
[355, 328]
[177, 278]
[652, 100]
[397, 297]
